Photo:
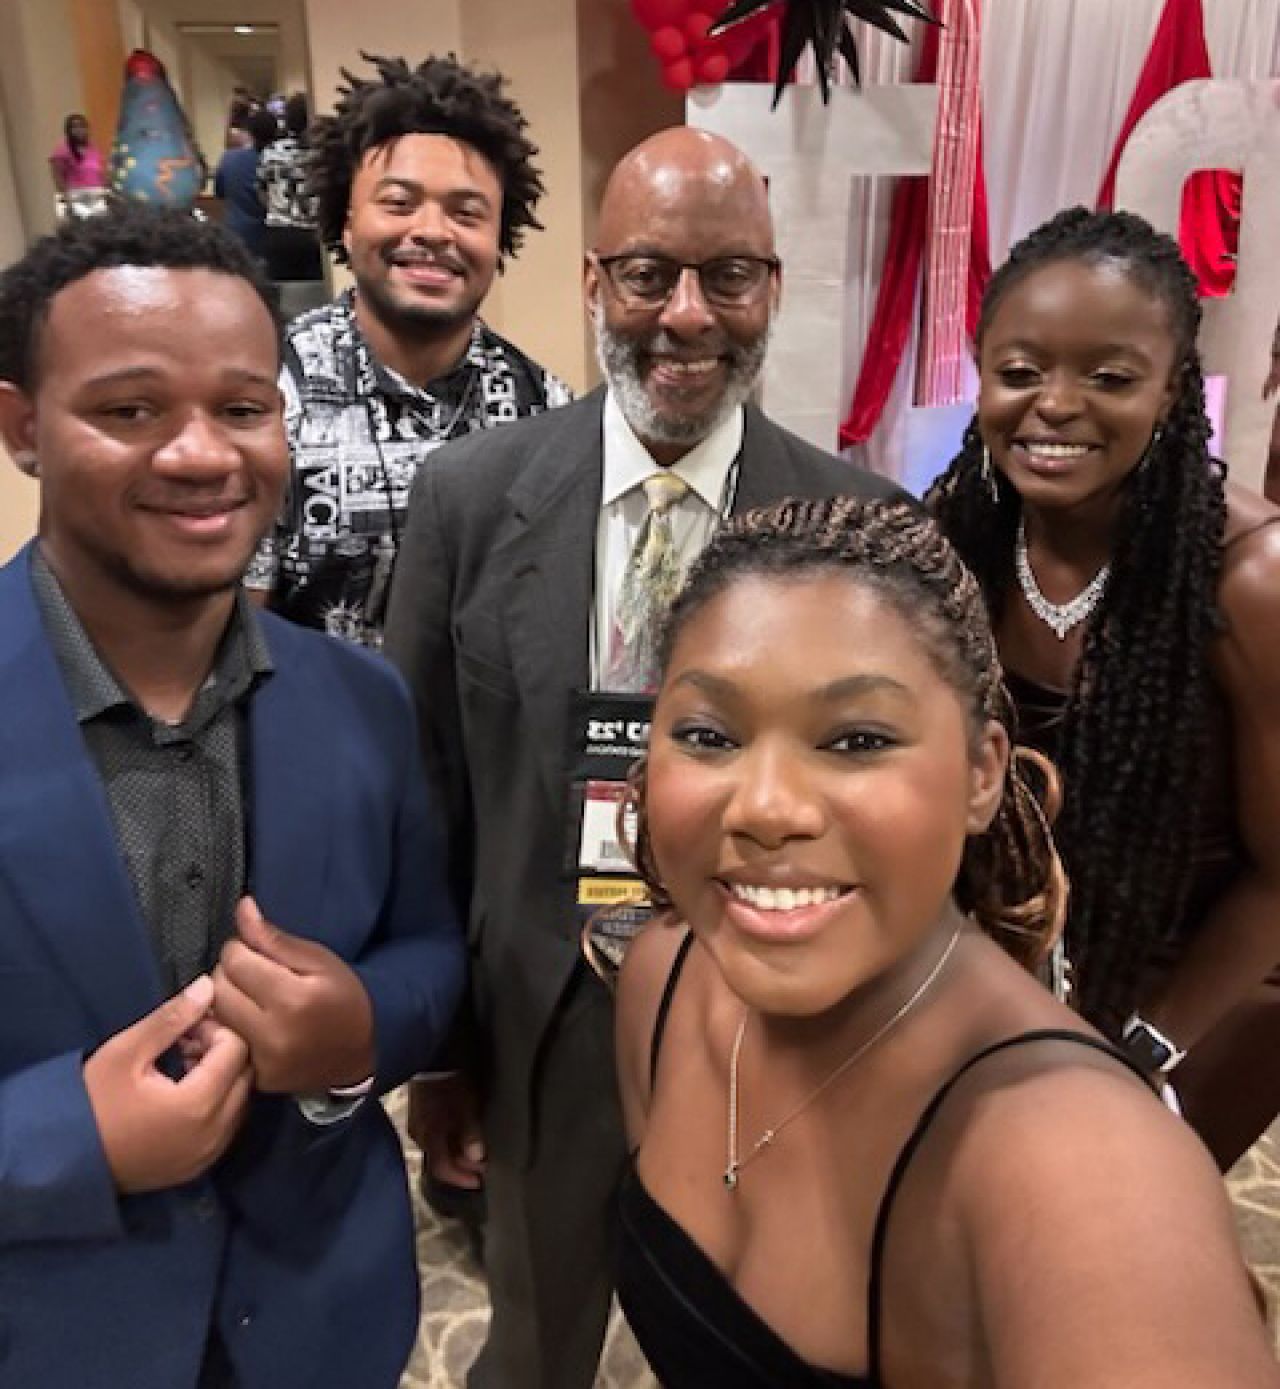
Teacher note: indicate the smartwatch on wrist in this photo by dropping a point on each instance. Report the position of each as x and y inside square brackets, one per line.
[1149, 1048]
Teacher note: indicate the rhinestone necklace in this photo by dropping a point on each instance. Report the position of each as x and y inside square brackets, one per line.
[734, 1164]
[1060, 618]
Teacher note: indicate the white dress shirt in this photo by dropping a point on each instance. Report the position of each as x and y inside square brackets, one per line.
[707, 470]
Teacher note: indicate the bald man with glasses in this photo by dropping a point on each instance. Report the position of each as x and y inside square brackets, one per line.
[537, 565]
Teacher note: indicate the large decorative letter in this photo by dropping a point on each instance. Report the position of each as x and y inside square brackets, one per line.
[1222, 125]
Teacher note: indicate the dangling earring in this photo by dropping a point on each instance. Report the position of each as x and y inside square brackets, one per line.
[987, 472]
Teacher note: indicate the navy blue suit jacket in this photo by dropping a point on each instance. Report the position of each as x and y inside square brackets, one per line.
[299, 1243]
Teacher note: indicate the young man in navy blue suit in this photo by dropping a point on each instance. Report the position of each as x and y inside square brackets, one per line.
[223, 925]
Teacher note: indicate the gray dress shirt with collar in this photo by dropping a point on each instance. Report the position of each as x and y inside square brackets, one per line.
[177, 792]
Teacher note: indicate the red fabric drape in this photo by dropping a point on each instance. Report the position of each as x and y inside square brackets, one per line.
[892, 321]
[980, 247]
[942, 347]
[1209, 232]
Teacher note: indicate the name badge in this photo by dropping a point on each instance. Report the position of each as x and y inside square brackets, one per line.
[607, 733]
[599, 849]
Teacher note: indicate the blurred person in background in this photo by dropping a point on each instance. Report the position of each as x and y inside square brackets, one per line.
[236, 181]
[290, 244]
[76, 162]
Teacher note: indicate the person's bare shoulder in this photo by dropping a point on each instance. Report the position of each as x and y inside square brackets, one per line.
[1247, 667]
[1249, 590]
[1101, 1241]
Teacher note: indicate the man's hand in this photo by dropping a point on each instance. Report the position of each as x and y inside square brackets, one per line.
[444, 1121]
[157, 1132]
[302, 1011]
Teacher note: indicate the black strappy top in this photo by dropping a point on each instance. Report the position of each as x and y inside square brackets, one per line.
[694, 1328]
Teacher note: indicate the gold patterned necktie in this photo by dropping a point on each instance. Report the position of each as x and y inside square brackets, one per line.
[650, 583]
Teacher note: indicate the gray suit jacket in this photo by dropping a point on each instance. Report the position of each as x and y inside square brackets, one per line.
[490, 623]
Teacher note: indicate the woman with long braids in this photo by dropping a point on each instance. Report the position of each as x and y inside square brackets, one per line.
[1136, 602]
[870, 1149]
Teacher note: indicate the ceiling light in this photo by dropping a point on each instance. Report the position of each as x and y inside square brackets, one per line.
[244, 28]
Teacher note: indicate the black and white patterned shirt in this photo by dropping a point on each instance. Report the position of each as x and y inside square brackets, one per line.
[282, 184]
[358, 433]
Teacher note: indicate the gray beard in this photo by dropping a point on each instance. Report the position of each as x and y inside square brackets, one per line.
[619, 361]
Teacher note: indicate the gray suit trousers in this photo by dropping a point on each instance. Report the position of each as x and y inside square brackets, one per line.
[549, 1237]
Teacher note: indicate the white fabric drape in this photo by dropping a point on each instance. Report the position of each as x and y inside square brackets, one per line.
[1058, 77]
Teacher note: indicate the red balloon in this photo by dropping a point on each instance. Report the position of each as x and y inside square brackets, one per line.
[669, 44]
[655, 14]
[678, 75]
[736, 47]
[713, 68]
[696, 26]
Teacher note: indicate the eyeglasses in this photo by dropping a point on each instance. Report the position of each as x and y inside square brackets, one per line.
[727, 282]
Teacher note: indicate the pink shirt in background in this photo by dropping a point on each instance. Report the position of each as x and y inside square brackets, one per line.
[85, 172]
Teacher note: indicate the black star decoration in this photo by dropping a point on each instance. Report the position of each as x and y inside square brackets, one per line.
[823, 24]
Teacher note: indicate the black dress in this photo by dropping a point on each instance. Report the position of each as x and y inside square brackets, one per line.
[1228, 1093]
[694, 1328]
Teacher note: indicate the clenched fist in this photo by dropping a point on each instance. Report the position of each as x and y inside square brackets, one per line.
[302, 1011]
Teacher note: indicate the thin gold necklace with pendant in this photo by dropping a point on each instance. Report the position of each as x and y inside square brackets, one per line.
[734, 1164]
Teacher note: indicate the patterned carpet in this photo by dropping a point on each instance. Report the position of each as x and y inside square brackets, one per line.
[454, 1311]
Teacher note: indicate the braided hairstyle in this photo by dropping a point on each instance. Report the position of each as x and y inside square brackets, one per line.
[439, 97]
[1010, 878]
[1133, 740]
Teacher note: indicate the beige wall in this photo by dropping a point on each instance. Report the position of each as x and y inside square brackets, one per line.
[162, 40]
[41, 88]
[18, 499]
[207, 99]
[337, 30]
[295, 64]
[99, 52]
[133, 25]
[537, 302]
[12, 235]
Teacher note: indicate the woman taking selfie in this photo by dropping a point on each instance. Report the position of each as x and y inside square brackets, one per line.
[1136, 602]
[869, 1148]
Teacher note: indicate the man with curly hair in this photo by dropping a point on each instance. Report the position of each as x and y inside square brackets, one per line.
[425, 185]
